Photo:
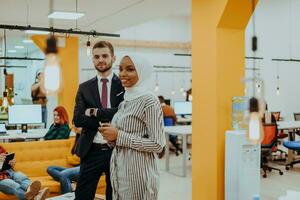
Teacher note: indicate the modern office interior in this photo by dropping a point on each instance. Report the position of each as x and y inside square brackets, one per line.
[243, 49]
[159, 32]
[205, 45]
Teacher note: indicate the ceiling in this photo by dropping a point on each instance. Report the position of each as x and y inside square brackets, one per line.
[101, 15]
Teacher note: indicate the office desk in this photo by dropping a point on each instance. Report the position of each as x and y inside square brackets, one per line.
[31, 134]
[17, 134]
[291, 126]
[288, 125]
[184, 120]
[184, 131]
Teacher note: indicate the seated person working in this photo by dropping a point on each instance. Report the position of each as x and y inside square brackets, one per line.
[18, 184]
[60, 127]
[168, 112]
[67, 175]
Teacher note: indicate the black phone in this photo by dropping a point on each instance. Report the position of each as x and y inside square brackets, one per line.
[4, 165]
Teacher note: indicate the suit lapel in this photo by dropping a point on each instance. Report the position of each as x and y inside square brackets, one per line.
[95, 92]
[114, 90]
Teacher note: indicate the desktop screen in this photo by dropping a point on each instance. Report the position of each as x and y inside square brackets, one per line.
[183, 107]
[25, 114]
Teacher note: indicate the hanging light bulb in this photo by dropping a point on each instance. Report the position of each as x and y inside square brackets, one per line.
[5, 100]
[51, 79]
[88, 48]
[255, 131]
[173, 92]
[156, 89]
[258, 88]
[184, 94]
[181, 89]
[277, 88]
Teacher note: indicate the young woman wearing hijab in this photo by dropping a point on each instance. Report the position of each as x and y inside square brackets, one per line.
[137, 133]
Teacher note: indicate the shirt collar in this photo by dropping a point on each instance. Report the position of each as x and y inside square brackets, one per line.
[109, 77]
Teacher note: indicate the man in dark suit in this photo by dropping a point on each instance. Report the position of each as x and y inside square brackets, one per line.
[97, 100]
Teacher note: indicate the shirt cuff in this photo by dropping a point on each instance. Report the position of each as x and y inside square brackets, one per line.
[124, 139]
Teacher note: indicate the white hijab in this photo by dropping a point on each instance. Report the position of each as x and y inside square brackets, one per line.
[144, 72]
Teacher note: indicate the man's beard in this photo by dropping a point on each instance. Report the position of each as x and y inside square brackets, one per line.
[104, 70]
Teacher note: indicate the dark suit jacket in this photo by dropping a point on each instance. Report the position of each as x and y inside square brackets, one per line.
[88, 97]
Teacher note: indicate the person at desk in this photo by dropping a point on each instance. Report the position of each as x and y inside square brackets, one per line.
[18, 184]
[60, 128]
[38, 95]
[168, 112]
[67, 175]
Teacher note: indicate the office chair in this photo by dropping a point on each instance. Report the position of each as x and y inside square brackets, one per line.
[280, 135]
[268, 143]
[295, 146]
[276, 115]
[297, 116]
[168, 121]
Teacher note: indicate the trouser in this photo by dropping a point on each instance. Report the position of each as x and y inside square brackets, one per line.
[92, 166]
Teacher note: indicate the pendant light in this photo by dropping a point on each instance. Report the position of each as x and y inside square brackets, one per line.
[255, 132]
[277, 80]
[51, 79]
[156, 89]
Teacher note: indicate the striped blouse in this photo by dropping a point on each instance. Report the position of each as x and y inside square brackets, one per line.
[134, 167]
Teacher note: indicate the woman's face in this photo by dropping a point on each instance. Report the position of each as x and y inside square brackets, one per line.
[127, 73]
[56, 117]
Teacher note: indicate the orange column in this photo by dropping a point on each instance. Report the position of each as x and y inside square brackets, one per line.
[69, 68]
[218, 49]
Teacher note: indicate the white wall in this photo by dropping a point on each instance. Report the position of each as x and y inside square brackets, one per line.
[277, 30]
[168, 30]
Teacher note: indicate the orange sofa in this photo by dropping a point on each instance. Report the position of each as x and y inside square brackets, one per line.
[33, 158]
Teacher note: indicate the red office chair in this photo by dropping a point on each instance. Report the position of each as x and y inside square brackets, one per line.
[268, 143]
[280, 136]
[276, 115]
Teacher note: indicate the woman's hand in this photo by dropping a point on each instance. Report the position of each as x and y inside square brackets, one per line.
[12, 163]
[2, 157]
[109, 133]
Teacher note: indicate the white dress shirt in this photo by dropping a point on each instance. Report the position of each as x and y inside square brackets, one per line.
[98, 137]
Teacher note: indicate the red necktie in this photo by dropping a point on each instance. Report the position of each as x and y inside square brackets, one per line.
[104, 92]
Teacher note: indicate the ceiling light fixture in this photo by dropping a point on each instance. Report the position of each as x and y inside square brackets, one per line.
[42, 30]
[12, 51]
[27, 41]
[65, 15]
[19, 47]
[32, 32]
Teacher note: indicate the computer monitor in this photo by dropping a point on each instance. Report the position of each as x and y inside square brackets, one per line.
[24, 115]
[2, 128]
[183, 107]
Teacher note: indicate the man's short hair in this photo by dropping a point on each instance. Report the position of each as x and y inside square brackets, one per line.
[103, 44]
